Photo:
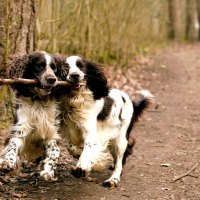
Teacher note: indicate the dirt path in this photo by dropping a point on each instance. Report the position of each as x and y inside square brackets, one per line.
[170, 135]
[168, 142]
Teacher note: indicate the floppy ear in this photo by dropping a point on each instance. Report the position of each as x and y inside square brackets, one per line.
[62, 68]
[17, 66]
[96, 80]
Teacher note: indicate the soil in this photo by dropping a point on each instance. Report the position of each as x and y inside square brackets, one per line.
[168, 141]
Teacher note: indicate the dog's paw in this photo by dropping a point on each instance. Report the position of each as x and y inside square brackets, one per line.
[7, 165]
[48, 175]
[111, 182]
[79, 172]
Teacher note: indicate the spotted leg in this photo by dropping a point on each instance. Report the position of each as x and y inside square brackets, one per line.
[10, 155]
[51, 160]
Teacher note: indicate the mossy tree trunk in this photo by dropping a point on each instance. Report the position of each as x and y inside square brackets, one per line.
[17, 35]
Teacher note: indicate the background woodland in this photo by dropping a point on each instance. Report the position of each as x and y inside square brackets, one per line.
[112, 32]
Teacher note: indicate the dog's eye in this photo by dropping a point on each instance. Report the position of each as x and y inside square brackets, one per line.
[53, 67]
[40, 66]
[66, 65]
[80, 65]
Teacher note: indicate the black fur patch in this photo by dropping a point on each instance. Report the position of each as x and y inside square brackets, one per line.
[81, 65]
[139, 107]
[108, 102]
[96, 79]
[123, 99]
[62, 71]
[120, 115]
[62, 66]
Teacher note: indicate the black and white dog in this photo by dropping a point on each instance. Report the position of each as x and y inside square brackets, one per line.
[95, 119]
[35, 131]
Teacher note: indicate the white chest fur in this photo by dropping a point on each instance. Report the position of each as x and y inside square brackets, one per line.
[37, 118]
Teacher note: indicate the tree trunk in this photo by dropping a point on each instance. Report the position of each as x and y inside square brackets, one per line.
[17, 33]
[192, 31]
[198, 10]
[2, 31]
[22, 33]
[177, 15]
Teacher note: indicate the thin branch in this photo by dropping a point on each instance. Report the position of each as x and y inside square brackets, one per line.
[186, 173]
[194, 176]
[27, 82]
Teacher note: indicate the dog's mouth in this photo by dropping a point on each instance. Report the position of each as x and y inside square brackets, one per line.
[76, 86]
[46, 88]
[43, 89]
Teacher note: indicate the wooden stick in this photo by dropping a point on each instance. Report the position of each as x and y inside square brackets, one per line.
[17, 80]
[27, 82]
[186, 173]
[194, 176]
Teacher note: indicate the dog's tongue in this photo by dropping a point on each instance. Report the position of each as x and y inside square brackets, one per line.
[76, 86]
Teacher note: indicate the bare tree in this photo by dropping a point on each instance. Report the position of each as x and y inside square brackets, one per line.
[17, 35]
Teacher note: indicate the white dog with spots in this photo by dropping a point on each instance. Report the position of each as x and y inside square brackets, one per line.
[95, 119]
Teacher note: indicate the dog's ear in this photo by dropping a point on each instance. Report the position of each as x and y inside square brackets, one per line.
[96, 79]
[17, 66]
[62, 67]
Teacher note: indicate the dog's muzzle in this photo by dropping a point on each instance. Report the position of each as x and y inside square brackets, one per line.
[46, 84]
[74, 78]
[51, 80]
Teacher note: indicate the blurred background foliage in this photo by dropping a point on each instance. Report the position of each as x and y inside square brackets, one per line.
[104, 30]
[112, 32]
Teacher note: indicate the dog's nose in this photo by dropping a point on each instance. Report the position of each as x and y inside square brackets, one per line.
[74, 76]
[51, 80]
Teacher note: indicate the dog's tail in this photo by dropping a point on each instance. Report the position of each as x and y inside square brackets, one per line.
[139, 107]
[142, 104]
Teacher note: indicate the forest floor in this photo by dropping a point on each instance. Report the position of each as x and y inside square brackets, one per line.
[168, 140]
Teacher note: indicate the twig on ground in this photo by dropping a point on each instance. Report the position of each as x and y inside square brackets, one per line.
[194, 176]
[186, 173]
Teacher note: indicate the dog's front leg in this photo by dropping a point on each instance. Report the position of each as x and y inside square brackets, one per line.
[51, 160]
[90, 151]
[86, 159]
[19, 132]
[10, 155]
[92, 148]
